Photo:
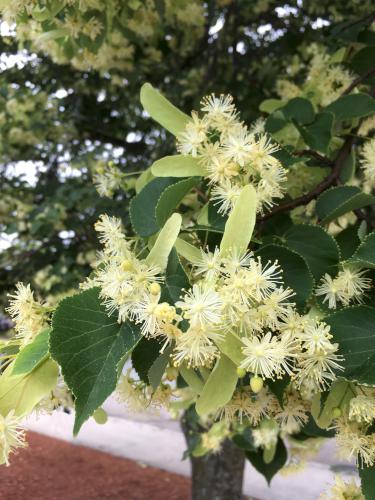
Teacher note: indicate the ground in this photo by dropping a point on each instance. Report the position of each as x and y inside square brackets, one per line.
[50, 469]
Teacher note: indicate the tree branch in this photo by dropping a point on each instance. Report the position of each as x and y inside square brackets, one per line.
[329, 181]
[358, 81]
[314, 154]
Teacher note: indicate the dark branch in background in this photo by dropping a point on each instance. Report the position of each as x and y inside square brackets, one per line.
[331, 180]
[334, 177]
[359, 80]
[314, 154]
[368, 18]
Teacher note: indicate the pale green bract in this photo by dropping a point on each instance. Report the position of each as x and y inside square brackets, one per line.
[240, 225]
[164, 243]
[162, 111]
[178, 166]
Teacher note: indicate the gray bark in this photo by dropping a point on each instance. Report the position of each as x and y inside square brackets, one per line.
[217, 476]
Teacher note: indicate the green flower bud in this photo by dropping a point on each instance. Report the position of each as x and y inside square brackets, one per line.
[336, 412]
[241, 372]
[256, 384]
[100, 416]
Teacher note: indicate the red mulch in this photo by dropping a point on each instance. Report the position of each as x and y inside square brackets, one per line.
[50, 469]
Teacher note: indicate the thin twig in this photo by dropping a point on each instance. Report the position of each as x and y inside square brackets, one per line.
[358, 80]
[329, 181]
[314, 154]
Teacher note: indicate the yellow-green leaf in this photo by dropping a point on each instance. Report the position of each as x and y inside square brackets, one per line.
[22, 392]
[219, 387]
[162, 111]
[178, 166]
[165, 241]
[32, 354]
[240, 224]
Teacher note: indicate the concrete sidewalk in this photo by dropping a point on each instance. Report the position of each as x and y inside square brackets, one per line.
[159, 442]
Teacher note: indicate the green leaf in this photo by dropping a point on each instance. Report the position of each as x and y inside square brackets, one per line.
[299, 109]
[367, 475]
[188, 251]
[22, 392]
[171, 197]
[278, 388]
[32, 354]
[162, 111]
[178, 166]
[240, 225]
[339, 200]
[352, 106]
[287, 159]
[216, 220]
[363, 60]
[365, 253]
[365, 373]
[244, 440]
[164, 243]
[310, 429]
[353, 329]
[316, 246]
[143, 206]
[276, 121]
[296, 273]
[348, 241]
[270, 469]
[348, 169]
[176, 279]
[219, 387]
[157, 369]
[270, 105]
[89, 345]
[318, 135]
[144, 355]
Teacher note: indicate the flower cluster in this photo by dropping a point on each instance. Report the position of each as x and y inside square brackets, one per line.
[325, 81]
[129, 286]
[12, 436]
[353, 442]
[137, 396]
[27, 313]
[83, 24]
[232, 154]
[231, 294]
[107, 179]
[249, 407]
[343, 490]
[368, 164]
[349, 285]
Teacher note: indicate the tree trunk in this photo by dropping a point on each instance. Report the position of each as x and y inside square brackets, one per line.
[217, 476]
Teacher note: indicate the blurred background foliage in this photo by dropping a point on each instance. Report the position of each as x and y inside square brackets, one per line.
[69, 102]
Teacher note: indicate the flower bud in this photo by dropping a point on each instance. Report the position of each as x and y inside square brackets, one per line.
[100, 416]
[256, 384]
[241, 372]
[154, 288]
[336, 412]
